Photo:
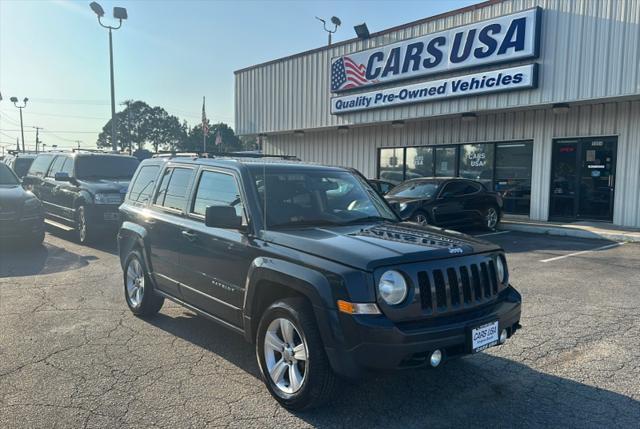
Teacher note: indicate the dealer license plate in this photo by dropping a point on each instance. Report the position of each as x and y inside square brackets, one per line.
[484, 336]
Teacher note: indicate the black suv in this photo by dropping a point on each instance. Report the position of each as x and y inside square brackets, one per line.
[311, 265]
[81, 191]
[19, 162]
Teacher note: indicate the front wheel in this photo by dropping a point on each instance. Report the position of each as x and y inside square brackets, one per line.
[491, 218]
[138, 289]
[84, 233]
[420, 218]
[291, 356]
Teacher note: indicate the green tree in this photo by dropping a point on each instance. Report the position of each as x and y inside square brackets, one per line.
[139, 124]
[229, 141]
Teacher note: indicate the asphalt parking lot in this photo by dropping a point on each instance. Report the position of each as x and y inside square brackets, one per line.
[72, 355]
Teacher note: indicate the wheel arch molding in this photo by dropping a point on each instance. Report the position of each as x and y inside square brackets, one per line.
[130, 236]
[290, 278]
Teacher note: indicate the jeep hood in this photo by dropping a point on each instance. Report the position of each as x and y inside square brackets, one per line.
[368, 247]
[105, 185]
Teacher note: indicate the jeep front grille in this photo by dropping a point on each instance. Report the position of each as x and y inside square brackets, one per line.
[445, 290]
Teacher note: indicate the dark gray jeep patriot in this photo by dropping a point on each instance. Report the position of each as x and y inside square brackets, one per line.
[312, 266]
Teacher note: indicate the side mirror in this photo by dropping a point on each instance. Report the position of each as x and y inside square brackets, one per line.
[62, 177]
[222, 217]
[28, 181]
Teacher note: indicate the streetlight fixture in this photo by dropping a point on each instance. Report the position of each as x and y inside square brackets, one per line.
[119, 13]
[336, 23]
[24, 104]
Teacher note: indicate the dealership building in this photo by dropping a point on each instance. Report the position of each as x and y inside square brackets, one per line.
[539, 100]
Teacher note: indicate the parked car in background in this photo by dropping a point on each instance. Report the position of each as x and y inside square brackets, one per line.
[382, 186]
[312, 266]
[81, 191]
[447, 202]
[21, 213]
[19, 162]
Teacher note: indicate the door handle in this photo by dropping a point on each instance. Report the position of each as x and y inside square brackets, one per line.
[150, 221]
[191, 236]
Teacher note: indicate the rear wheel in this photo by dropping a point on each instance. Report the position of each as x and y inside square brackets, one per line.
[491, 218]
[138, 289]
[291, 356]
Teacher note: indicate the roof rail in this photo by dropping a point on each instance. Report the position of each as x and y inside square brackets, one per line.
[75, 149]
[199, 154]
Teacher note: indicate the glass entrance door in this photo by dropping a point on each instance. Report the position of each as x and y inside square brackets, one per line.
[583, 178]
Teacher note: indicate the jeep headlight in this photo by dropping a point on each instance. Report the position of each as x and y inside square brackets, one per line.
[392, 287]
[107, 198]
[501, 269]
[32, 207]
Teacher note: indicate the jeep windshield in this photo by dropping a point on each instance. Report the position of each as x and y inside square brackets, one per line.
[318, 198]
[105, 167]
[415, 189]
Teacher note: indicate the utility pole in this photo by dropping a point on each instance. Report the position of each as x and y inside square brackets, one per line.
[78, 143]
[37, 134]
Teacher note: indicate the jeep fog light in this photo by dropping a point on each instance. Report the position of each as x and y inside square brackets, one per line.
[392, 287]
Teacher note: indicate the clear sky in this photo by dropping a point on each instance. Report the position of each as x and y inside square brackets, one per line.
[168, 53]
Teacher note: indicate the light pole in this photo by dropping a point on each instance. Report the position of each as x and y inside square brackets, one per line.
[336, 23]
[24, 104]
[119, 13]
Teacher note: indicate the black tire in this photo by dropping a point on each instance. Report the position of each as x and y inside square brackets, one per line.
[491, 218]
[150, 303]
[421, 218]
[37, 239]
[319, 380]
[83, 230]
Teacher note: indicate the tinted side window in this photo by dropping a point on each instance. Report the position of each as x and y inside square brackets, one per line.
[217, 189]
[455, 189]
[56, 167]
[40, 165]
[174, 187]
[67, 167]
[143, 186]
[21, 166]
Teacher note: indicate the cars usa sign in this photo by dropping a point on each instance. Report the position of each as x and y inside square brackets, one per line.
[504, 39]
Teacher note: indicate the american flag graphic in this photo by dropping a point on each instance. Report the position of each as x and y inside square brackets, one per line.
[345, 74]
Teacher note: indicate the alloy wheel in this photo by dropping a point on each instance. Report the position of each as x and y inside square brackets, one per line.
[285, 355]
[421, 219]
[492, 218]
[135, 283]
[82, 226]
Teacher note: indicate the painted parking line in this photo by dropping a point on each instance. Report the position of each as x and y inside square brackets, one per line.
[608, 246]
[492, 233]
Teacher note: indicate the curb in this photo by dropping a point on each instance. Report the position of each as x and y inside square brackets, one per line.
[631, 237]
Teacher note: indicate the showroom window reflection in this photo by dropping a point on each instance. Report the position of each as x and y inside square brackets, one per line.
[504, 167]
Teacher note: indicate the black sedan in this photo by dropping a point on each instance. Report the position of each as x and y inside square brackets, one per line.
[447, 202]
[21, 213]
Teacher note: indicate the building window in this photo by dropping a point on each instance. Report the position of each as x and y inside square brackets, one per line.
[503, 167]
[419, 162]
[513, 175]
[392, 165]
[476, 162]
[445, 161]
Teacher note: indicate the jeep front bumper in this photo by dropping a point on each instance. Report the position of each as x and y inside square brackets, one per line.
[365, 343]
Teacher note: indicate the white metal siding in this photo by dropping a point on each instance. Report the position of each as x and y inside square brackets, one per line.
[358, 147]
[589, 49]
